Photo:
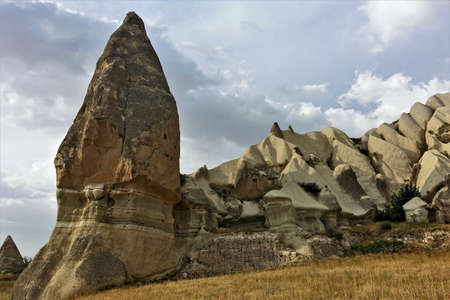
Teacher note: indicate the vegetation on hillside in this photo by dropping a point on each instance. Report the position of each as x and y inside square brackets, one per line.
[394, 212]
[310, 187]
[421, 275]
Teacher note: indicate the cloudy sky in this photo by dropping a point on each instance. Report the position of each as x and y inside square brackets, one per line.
[233, 67]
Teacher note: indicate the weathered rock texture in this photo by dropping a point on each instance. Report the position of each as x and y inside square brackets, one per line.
[123, 217]
[117, 178]
[416, 210]
[11, 260]
[270, 187]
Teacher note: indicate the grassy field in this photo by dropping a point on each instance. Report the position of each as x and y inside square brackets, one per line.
[424, 275]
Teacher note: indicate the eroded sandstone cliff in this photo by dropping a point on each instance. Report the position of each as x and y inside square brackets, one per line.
[299, 185]
[117, 178]
[124, 216]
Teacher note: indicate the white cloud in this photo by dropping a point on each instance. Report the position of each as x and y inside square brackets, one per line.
[391, 97]
[197, 152]
[354, 123]
[6, 202]
[308, 109]
[391, 20]
[314, 88]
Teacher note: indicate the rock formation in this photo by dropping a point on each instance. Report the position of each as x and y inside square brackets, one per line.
[10, 259]
[117, 178]
[292, 184]
[416, 210]
[124, 216]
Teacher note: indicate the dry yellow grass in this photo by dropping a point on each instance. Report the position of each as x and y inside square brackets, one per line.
[398, 276]
[424, 275]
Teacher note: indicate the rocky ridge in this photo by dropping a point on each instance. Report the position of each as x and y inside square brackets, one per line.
[117, 178]
[11, 261]
[296, 184]
[125, 216]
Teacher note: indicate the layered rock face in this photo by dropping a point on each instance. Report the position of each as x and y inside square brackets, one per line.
[288, 184]
[415, 148]
[10, 259]
[117, 178]
[293, 184]
[124, 216]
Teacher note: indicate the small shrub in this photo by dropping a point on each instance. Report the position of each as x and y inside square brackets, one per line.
[26, 261]
[385, 226]
[297, 150]
[395, 212]
[310, 187]
[356, 141]
[406, 193]
[332, 233]
[381, 215]
[364, 152]
[380, 247]
[182, 179]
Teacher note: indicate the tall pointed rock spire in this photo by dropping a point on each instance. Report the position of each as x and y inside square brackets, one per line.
[117, 177]
[11, 260]
[276, 131]
[127, 130]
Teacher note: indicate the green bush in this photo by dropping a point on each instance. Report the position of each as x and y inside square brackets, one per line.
[26, 261]
[310, 187]
[381, 246]
[395, 212]
[385, 226]
[332, 233]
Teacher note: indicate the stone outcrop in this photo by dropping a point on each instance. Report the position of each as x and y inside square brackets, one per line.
[117, 179]
[125, 214]
[11, 260]
[441, 204]
[438, 131]
[416, 210]
[415, 149]
[318, 181]
[433, 168]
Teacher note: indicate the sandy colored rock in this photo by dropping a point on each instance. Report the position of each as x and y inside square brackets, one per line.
[409, 128]
[434, 102]
[362, 167]
[416, 210]
[293, 183]
[408, 145]
[308, 210]
[391, 161]
[347, 179]
[314, 142]
[11, 260]
[441, 204]
[438, 131]
[421, 114]
[117, 178]
[280, 214]
[276, 131]
[434, 167]
[299, 171]
[335, 134]
[365, 138]
[444, 97]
